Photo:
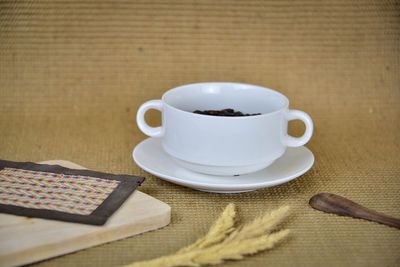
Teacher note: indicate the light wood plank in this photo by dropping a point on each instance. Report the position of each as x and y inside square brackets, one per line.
[25, 240]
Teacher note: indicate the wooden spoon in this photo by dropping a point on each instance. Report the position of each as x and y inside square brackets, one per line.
[332, 203]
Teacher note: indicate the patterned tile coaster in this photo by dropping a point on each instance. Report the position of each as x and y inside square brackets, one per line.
[59, 193]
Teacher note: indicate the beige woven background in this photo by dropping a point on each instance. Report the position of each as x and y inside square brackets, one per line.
[73, 73]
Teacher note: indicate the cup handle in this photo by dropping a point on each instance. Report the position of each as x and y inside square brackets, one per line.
[294, 114]
[141, 122]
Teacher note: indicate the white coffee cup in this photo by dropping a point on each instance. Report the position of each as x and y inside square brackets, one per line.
[224, 145]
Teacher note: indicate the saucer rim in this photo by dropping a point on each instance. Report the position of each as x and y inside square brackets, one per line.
[219, 186]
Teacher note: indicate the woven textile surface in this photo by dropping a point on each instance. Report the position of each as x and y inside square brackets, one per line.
[73, 73]
[42, 190]
[58, 193]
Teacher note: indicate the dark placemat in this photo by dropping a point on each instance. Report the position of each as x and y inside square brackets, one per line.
[59, 193]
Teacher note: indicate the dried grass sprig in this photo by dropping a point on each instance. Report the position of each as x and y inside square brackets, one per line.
[225, 242]
[260, 225]
[221, 228]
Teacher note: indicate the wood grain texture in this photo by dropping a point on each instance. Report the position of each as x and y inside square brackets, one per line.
[26, 240]
[339, 205]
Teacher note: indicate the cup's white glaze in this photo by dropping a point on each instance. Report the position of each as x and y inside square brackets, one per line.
[224, 145]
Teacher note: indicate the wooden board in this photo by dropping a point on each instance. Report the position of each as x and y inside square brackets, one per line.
[25, 240]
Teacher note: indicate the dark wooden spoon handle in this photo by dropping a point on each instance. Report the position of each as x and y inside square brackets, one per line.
[332, 203]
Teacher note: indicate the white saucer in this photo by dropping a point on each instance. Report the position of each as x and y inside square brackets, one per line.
[150, 156]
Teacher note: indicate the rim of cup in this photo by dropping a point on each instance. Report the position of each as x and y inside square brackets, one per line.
[258, 87]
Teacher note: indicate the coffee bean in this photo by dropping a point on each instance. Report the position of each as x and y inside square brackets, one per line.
[228, 112]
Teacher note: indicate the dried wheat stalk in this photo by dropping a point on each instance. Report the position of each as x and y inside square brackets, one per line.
[260, 225]
[221, 228]
[224, 242]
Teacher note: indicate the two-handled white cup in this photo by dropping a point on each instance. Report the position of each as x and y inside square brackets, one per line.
[224, 145]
